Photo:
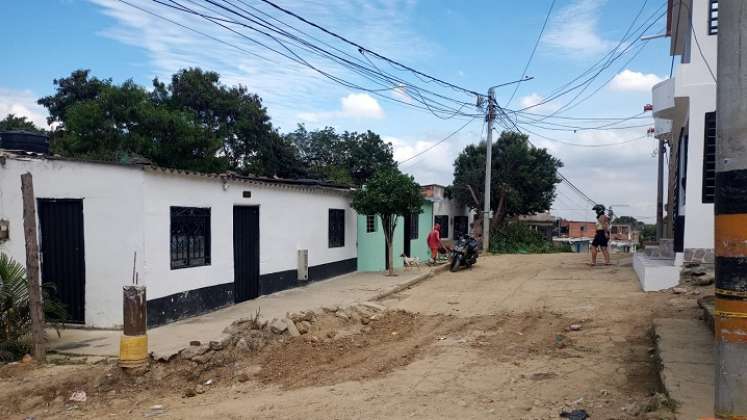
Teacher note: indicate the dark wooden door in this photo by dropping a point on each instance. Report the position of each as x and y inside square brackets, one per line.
[63, 254]
[245, 252]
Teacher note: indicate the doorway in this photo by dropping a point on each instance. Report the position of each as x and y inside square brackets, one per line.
[245, 252]
[63, 254]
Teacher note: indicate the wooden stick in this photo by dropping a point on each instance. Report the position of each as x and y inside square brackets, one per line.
[32, 268]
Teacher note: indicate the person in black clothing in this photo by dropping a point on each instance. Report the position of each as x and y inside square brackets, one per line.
[602, 236]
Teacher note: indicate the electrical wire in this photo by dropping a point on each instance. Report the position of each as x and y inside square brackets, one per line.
[534, 50]
[439, 142]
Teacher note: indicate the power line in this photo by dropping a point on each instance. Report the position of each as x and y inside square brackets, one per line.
[439, 142]
[534, 50]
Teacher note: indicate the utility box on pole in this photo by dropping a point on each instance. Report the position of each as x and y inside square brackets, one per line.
[731, 213]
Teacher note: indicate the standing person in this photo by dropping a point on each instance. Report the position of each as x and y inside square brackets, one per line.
[602, 236]
[434, 241]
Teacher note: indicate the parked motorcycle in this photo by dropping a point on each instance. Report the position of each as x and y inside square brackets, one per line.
[464, 253]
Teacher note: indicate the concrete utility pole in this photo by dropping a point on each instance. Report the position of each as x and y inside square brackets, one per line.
[488, 169]
[660, 192]
[38, 340]
[731, 213]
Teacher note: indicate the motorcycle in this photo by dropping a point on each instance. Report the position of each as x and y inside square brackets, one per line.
[464, 253]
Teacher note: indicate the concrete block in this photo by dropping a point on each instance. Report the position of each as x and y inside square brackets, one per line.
[655, 274]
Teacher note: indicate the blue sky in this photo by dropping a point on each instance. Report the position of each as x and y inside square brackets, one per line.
[473, 44]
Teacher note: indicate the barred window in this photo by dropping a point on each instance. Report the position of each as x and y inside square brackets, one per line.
[370, 223]
[713, 17]
[414, 228]
[709, 158]
[443, 222]
[190, 237]
[336, 228]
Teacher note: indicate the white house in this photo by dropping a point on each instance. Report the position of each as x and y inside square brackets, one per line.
[202, 240]
[454, 219]
[684, 108]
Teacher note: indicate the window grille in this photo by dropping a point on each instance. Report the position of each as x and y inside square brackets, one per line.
[336, 228]
[190, 237]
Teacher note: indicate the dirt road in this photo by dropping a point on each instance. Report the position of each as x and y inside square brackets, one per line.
[516, 337]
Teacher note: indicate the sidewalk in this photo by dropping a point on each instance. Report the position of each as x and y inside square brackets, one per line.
[685, 347]
[168, 340]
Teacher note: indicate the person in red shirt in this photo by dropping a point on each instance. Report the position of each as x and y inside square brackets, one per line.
[434, 241]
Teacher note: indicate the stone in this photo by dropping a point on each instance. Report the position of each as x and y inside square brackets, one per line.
[330, 308]
[574, 327]
[78, 396]
[243, 345]
[190, 392]
[278, 326]
[679, 290]
[365, 320]
[27, 359]
[193, 351]
[331, 334]
[199, 389]
[202, 359]
[303, 327]
[705, 280]
[342, 315]
[292, 330]
[242, 377]
[194, 343]
[216, 345]
[375, 306]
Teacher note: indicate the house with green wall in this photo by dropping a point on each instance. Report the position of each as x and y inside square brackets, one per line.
[409, 238]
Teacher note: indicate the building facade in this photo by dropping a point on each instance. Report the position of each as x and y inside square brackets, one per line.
[684, 108]
[196, 241]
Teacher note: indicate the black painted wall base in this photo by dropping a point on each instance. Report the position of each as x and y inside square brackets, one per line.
[199, 301]
[188, 303]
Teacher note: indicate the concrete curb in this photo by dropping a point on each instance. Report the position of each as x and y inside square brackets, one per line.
[396, 289]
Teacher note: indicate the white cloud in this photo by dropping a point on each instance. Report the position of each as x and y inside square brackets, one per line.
[573, 29]
[534, 99]
[361, 105]
[22, 103]
[633, 81]
[353, 105]
[285, 85]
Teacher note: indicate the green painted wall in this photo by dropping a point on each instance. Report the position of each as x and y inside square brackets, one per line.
[371, 246]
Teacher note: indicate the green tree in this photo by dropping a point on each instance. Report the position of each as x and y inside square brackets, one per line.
[349, 157]
[523, 177]
[629, 220]
[13, 123]
[389, 193]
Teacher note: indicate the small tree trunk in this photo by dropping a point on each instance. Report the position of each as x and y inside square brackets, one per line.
[32, 269]
[390, 263]
[500, 212]
[389, 226]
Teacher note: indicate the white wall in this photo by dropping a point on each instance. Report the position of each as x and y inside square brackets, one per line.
[694, 80]
[127, 210]
[112, 223]
[449, 208]
[290, 218]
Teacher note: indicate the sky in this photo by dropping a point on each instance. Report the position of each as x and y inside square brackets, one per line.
[472, 45]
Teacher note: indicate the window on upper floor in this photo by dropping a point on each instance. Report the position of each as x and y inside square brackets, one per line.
[713, 17]
[190, 237]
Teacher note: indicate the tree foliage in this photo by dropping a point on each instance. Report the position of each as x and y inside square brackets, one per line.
[629, 220]
[194, 122]
[15, 311]
[14, 123]
[523, 177]
[348, 157]
[389, 193]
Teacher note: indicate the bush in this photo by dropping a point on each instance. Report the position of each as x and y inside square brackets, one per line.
[519, 238]
[15, 312]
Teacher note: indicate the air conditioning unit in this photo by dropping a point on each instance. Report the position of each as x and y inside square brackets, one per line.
[303, 265]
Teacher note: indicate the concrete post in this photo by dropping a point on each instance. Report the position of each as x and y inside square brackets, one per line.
[731, 213]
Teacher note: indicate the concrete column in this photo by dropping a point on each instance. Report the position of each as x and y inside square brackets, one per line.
[731, 213]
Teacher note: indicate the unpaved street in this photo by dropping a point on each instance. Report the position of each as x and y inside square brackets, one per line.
[516, 337]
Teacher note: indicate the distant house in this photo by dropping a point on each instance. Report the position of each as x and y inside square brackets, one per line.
[543, 223]
[203, 241]
[453, 218]
[577, 229]
[409, 239]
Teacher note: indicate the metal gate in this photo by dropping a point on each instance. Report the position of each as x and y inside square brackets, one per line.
[245, 252]
[63, 254]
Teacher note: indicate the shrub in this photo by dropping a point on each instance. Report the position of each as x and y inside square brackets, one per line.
[519, 238]
[15, 312]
